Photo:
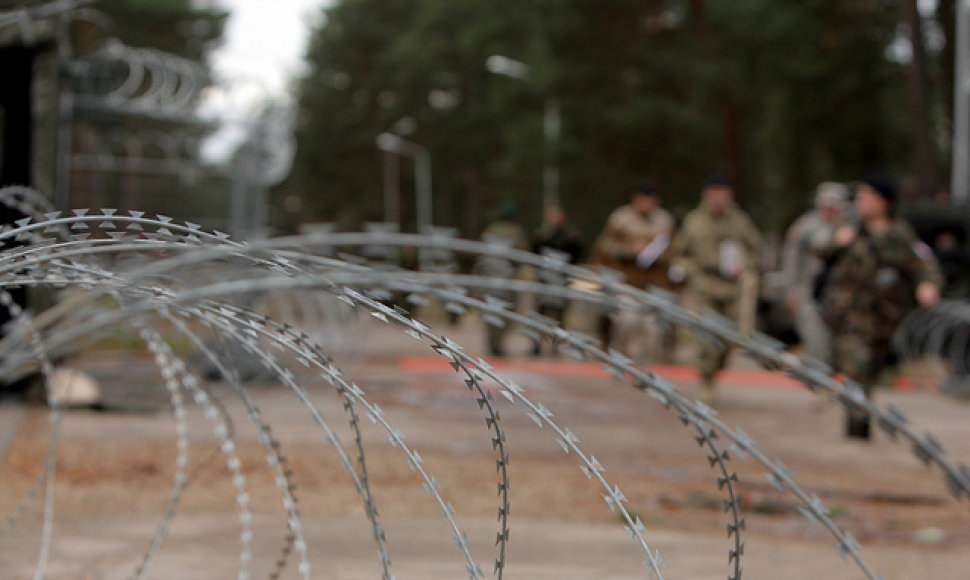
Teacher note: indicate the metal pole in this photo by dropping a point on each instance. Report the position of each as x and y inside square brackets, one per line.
[960, 176]
[552, 128]
[259, 190]
[239, 194]
[65, 121]
[422, 186]
[422, 174]
[260, 221]
[392, 188]
[62, 179]
[551, 125]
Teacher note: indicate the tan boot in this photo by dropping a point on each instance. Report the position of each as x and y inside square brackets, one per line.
[707, 395]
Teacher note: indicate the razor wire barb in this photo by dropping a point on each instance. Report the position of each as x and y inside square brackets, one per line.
[475, 371]
[617, 494]
[173, 368]
[499, 438]
[49, 259]
[242, 325]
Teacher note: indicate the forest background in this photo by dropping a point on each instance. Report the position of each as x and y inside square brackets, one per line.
[777, 95]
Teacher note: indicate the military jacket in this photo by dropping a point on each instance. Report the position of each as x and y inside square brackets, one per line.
[871, 283]
[801, 253]
[710, 246]
[566, 239]
[560, 245]
[505, 233]
[616, 247]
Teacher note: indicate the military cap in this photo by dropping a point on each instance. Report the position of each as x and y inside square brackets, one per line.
[883, 185]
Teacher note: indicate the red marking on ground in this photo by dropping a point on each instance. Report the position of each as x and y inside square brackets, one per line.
[909, 384]
[673, 373]
[592, 370]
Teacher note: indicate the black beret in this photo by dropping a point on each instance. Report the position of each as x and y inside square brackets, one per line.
[645, 189]
[716, 180]
[883, 185]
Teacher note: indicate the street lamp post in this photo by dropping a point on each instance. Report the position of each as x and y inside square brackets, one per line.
[392, 187]
[392, 143]
[960, 177]
[551, 125]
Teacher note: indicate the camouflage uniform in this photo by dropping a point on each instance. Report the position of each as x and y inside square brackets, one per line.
[870, 286]
[703, 249]
[801, 266]
[512, 235]
[561, 244]
[617, 247]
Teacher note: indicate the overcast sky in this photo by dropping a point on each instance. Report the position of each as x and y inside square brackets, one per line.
[265, 39]
[262, 51]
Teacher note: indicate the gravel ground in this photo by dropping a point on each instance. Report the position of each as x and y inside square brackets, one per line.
[115, 469]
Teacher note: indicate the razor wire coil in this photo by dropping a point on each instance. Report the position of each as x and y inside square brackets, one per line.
[59, 251]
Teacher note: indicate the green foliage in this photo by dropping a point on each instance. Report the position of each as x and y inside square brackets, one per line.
[173, 26]
[776, 94]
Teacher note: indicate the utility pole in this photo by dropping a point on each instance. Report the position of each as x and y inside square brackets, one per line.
[551, 125]
[918, 107]
[960, 177]
[392, 143]
[392, 187]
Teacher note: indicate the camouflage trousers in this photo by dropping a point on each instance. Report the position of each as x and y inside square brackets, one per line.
[812, 331]
[860, 357]
[495, 335]
[712, 357]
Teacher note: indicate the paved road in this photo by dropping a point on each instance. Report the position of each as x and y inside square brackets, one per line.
[11, 413]
[116, 468]
[203, 547]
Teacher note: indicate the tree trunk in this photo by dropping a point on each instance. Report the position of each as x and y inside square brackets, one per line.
[922, 151]
[727, 107]
[731, 138]
[472, 222]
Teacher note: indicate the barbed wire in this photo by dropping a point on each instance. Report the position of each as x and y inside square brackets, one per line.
[51, 259]
[493, 304]
[141, 81]
[537, 412]
[504, 508]
[942, 332]
[616, 494]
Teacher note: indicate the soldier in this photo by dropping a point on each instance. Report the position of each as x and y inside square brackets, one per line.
[717, 254]
[802, 266]
[635, 242]
[556, 233]
[504, 231]
[557, 239]
[879, 271]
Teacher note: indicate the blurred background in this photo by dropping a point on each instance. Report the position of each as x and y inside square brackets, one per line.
[260, 118]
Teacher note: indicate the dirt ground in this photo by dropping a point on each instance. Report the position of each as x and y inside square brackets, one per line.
[115, 468]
